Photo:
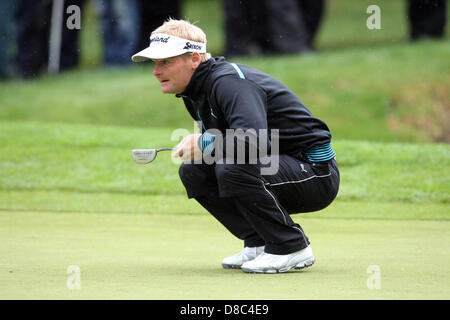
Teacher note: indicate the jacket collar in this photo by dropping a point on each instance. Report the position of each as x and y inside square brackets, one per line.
[197, 84]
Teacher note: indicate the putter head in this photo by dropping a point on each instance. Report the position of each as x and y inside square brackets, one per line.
[143, 156]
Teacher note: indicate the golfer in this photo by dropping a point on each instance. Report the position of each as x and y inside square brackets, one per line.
[277, 132]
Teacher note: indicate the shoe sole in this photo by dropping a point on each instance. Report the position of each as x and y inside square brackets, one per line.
[305, 264]
[231, 266]
[301, 265]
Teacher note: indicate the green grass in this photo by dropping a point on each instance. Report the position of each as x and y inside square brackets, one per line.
[394, 93]
[95, 159]
[161, 256]
[71, 195]
[366, 84]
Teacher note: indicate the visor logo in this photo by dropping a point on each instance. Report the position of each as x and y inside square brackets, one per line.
[158, 39]
[192, 46]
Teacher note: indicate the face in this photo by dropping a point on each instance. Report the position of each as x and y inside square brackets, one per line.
[175, 73]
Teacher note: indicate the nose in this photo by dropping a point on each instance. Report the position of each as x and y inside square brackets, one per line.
[156, 70]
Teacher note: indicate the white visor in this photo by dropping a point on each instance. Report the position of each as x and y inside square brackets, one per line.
[165, 46]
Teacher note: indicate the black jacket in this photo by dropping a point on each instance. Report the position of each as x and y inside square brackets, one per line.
[218, 97]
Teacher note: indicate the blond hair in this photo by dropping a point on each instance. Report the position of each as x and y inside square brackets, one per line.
[184, 29]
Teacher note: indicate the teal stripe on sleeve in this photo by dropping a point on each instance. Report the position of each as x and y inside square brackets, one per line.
[206, 143]
[320, 153]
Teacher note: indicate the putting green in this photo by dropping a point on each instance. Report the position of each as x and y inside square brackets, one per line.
[155, 256]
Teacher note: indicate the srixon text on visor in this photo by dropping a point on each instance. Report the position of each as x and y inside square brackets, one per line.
[191, 46]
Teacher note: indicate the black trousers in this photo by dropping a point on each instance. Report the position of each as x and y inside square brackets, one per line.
[33, 19]
[427, 18]
[256, 207]
[153, 14]
[271, 27]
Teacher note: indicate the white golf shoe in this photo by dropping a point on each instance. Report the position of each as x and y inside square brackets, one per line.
[245, 255]
[274, 263]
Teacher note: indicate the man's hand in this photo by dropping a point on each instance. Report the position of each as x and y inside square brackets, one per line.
[188, 148]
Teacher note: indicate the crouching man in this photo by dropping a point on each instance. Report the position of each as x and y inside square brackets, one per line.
[249, 195]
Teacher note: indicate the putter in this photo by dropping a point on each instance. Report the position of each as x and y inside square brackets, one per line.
[144, 156]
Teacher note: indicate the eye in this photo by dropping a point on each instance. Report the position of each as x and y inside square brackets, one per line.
[161, 63]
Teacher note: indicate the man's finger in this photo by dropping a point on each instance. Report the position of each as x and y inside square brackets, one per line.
[177, 151]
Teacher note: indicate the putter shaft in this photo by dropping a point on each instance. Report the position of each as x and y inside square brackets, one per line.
[164, 149]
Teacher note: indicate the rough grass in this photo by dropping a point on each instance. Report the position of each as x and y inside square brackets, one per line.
[394, 93]
[94, 159]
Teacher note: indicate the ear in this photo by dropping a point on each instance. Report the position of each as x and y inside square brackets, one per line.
[196, 59]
